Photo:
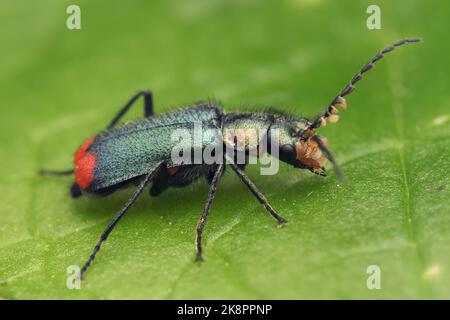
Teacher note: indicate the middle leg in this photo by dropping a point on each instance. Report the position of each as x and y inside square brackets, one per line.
[204, 216]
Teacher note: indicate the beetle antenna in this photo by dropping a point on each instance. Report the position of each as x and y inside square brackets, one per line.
[339, 101]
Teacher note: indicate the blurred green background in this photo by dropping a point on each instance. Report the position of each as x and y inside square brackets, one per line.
[59, 87]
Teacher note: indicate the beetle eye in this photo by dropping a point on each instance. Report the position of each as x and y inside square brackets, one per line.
[287, 152]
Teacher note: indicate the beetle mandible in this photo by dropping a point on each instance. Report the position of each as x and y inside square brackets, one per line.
[139, 152]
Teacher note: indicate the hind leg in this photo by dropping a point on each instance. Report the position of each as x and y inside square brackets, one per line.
[148, 112]
[160, 184]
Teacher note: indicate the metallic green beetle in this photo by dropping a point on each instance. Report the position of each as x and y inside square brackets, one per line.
[142, 151]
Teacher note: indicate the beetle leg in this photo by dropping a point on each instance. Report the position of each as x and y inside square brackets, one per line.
[261, 198]
[67, 172]
[119, 216]
[74, 190]
[159, 184]
[204, 216]
[148, 107]
[148, 104]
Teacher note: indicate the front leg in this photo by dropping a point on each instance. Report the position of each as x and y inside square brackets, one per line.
[257, 193]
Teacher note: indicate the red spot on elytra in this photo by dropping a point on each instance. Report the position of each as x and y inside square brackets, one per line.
[84, 165]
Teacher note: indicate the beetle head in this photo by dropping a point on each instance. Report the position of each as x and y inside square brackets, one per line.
[302, 148]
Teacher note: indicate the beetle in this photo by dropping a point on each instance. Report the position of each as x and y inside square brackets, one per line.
[139, 152]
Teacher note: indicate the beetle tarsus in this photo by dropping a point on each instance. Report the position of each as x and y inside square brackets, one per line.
[281, 224]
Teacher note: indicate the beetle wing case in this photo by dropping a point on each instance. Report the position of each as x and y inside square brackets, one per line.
[121, 155]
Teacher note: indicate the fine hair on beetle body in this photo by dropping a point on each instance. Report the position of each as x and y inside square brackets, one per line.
[145, 151]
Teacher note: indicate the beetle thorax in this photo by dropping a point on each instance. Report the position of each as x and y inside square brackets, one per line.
[245, 131]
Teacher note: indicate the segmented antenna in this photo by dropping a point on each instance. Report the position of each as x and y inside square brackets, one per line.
[330, 115]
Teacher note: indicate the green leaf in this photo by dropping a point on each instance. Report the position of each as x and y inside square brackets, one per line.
[60, 87]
